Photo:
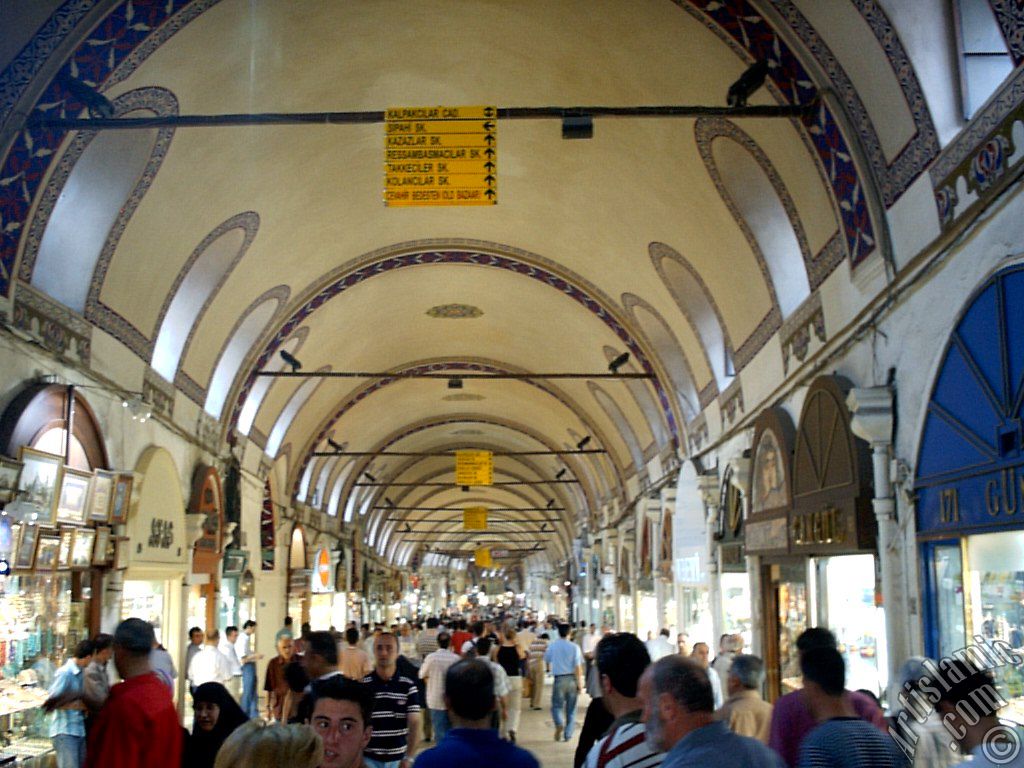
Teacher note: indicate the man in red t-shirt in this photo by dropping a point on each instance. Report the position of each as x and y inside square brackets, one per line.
[138, 726]
[460, 636]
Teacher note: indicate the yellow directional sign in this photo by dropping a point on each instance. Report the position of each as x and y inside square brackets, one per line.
[474, 468]
[440, 156]
[482, 557]
[474, 519]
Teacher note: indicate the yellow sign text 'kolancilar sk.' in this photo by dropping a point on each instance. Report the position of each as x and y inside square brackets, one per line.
[482, 557]
[474, 468]
[440, 156]
[474, 519]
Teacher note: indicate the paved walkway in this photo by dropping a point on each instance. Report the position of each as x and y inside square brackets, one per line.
[537, 733]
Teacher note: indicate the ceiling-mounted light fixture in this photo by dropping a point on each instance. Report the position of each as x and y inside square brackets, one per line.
[560, 474]
[98, 105]
[747, 84]
[583, 443]
[389, 502]
[551, 503]
[577, 127]
[370, 477]
[335, 445]
[291, 359]
[139, 409]
[618, 362]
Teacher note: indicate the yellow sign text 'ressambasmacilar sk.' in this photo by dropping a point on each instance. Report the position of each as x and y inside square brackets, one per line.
[440, 156]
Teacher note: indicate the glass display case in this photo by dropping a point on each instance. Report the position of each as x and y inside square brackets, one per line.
[39, 627]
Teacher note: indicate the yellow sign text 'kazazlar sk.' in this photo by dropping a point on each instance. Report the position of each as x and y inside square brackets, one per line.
[474, 468]
[440, 156]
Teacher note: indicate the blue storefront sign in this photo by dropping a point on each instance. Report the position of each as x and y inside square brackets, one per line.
[970, 473]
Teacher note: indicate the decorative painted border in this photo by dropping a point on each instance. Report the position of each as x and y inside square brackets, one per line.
[796, 331]
[977, 159]
[731, 403]
[56, 327]
[340, 281]
[910, 162]
[1010, 15]
[109, 54]
[749, 32]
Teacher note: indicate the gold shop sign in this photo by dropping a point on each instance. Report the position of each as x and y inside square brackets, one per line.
[824, 527]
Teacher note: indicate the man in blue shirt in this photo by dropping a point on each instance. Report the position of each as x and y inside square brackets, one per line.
[679, 716]
[469, 697]
[565, 661]
[67, 726]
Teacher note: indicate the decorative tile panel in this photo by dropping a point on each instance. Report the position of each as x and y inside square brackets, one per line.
[54, 326]
[731, 403]
[796, 331]
[159, 392]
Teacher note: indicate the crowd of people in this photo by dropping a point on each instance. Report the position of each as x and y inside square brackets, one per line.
[356, 699]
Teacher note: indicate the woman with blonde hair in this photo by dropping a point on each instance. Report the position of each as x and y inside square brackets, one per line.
[259, 745]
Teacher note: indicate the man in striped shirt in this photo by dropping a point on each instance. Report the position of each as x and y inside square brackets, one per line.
[396, 709]
[621, 659]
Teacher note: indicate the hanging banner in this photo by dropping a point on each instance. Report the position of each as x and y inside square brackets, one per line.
[474, 519]
[482, 557]
[322, 576]
[474, 468]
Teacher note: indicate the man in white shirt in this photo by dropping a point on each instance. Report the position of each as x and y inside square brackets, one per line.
[660, 646]
[209, 665]
[701, 653]
[227, 647]
[434, 668]
[248, 657]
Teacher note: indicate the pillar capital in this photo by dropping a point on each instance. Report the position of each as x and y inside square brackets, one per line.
[872, 414]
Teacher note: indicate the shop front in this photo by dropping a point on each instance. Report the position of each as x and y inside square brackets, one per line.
[734, 582]
[784, 598]
[832, 527]
[204, 600]
[156, 554]
[970, 485]
[55, 508]
[647, 599]
[322, 587]
[299, 576]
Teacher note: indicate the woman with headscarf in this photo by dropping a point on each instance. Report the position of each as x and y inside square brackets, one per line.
[217, 716]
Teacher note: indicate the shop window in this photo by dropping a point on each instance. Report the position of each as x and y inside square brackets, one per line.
[90, 202]
[618, 418]
[985, 60]
[695, 302]
[201, 277]
[52, 441]
[251, 407]
[669, 353]
[291, 410]
[757, 202]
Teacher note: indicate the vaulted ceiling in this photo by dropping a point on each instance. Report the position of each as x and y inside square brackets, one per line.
[194, 256]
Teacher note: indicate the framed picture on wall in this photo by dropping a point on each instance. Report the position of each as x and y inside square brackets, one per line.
[74, 496]
[10, 471]
[28, 537]
[122, 498]
[121, 553]
[99, 552]
[64, 557]
[101, 496]
[39, 484]
[47, 552]
[82, 543]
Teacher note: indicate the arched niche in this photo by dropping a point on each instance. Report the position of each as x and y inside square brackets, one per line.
[40, 408]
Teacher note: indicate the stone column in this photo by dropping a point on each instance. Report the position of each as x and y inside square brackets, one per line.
[709, 492]
[872, 421]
